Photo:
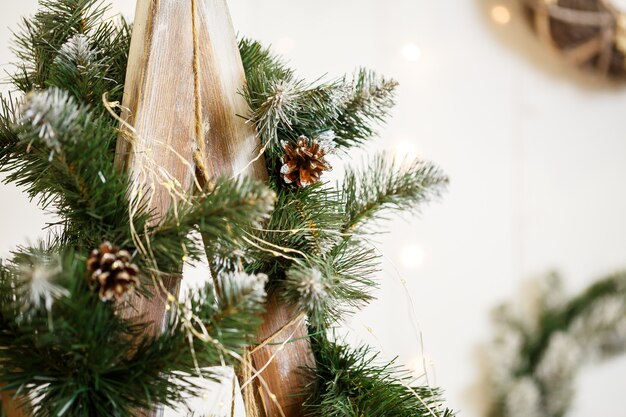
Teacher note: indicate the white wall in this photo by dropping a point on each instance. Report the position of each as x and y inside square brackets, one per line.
[535, 151]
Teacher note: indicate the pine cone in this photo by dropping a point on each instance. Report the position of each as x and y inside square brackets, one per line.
[303, 163]
[111, 272]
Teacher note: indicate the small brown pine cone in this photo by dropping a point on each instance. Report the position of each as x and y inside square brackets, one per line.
[303, 162]
[112, 273]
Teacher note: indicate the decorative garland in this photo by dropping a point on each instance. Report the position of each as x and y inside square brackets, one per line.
[589, 33]
[542, 344]
[62, 341]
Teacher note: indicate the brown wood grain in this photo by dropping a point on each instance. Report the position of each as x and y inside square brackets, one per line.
[284, 375]
[159, 96]
[9, 404]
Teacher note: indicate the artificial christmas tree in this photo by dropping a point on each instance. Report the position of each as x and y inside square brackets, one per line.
[287, 259]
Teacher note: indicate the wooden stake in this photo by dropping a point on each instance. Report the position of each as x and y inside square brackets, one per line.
[159, 95]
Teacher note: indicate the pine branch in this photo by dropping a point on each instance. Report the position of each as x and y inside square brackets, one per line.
[289, 107]
[43, 149]
[354, 266]
[282, 106]
[69, 348]
[383, 185]
[256, 58]
[51, 352]
[305, 221]
[90, 65]
[41, 37]
[331, 286]
[76, 357]
[285, 107]
[224, 217]
[233, 318]
[553, 321]
[347, 383]
[369, 101]
[536, 356]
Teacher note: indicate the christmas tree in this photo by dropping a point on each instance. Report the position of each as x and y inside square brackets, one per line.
[75, 338]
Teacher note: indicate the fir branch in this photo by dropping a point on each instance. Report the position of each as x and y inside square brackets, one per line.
[353, 266]
[535, 357]
[90, 65]
[287, 108]
[256, 58]
[76, 357]
[307, 220]
[347, 382]
[10, 148]
[333, 285]
[78, 69]
[233, 317]
[40, 38]
[308, 288]
[369, 101]
[49, 355]
[223, 217]
[282, 106]
[554, 321]
[59, 145]
[111, 40]
[51, 118]
[383, 185]
[44, 149]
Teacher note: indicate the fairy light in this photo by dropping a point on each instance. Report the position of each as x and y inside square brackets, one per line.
[412, 256]
[416, 365]
[420, 365]
[284, 45]
[500, 14]
[411, 52]
[405, 148]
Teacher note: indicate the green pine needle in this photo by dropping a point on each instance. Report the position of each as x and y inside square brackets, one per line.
[386, 185]
[348, 382]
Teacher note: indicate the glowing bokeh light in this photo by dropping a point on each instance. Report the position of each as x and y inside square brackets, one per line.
[411, 52]
[501, 14]
[406, 149]
[412, 256]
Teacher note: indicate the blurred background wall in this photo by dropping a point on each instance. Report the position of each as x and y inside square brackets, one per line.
[535, 150]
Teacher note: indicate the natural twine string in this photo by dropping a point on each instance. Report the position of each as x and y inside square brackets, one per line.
[249, 399]
[199, 155]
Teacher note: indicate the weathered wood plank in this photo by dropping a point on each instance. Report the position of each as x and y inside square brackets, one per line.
[284, 375]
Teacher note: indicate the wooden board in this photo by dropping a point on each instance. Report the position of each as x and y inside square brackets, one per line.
[284, 375]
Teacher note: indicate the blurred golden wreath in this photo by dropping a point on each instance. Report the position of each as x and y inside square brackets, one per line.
[589, 33]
